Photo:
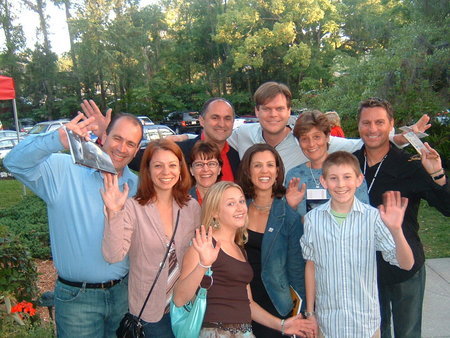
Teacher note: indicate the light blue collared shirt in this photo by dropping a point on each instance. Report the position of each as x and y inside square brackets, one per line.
[74, 205]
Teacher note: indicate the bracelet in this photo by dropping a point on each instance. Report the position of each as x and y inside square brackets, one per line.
[438, 177]
[282, 326]
[204, 266]
[436, 172]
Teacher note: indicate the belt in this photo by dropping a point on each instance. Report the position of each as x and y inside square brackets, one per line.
[105, 285]
[233, 328]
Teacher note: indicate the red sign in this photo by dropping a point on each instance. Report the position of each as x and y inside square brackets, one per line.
[7, 91]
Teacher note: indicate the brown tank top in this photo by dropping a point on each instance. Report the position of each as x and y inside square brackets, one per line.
[227, 300]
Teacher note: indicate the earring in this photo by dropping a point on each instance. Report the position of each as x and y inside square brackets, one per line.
[215, 223]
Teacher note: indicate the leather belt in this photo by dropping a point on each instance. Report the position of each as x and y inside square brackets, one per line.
[105, 285]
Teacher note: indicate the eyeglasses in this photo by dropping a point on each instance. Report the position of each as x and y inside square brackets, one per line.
[209, 164]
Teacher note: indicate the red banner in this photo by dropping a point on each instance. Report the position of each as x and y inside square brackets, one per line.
[7, 91]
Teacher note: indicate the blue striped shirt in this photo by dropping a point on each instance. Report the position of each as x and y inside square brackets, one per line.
[345, 267]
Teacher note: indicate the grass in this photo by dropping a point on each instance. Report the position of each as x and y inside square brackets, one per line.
[434, 227]
[11, 193]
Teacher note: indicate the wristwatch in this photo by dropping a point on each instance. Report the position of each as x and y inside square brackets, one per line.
[309, 314]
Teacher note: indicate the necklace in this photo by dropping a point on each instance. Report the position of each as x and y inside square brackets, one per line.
[376, 172]
[262, 207]
[317, 183]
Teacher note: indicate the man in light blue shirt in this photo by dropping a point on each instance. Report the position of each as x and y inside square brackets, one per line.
[90, 294]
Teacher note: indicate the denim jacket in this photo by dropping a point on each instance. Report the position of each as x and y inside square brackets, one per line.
[282, 263]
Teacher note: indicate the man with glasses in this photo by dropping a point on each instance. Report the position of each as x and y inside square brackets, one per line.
[217, 118]
[273, 108]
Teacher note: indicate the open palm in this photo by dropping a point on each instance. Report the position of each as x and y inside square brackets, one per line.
[113, 198]
[294, 195]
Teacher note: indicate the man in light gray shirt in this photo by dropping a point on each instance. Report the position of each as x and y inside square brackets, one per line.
[273, 108]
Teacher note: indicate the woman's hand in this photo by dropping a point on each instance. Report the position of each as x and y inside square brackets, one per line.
[113, 198]
[203, 244]
[293, 195]
[298, 326]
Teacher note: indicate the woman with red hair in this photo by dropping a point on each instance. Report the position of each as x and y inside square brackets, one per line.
[142, 227]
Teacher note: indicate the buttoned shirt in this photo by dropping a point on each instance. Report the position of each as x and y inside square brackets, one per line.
[292, 155]
[345, 267]
[74, 205]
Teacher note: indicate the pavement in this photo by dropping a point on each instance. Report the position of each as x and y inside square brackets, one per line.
[436, 308]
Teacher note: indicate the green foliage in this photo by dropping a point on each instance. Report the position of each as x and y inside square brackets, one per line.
[28, 221]
[18, 274]
[175, 54]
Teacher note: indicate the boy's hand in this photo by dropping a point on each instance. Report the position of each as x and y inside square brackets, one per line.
[393, 209]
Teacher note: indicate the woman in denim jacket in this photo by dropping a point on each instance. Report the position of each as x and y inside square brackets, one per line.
[274, 231]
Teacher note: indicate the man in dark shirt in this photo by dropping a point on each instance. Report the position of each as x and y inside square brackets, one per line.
[386, 167]
[217, 118]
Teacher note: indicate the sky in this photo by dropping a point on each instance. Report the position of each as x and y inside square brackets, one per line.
[59, 35]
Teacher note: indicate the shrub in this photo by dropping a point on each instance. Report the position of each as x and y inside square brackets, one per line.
[18, 273]
[28, 220]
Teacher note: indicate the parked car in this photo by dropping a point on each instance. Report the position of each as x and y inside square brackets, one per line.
[183, 122]
[26, 124]
[295, 113]
[155, 132]
[46, 126]
[6, 144]
[243, 119]
[145, 120]
[8, 134]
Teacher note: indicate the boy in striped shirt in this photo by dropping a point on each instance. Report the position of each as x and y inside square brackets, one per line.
[339, 244]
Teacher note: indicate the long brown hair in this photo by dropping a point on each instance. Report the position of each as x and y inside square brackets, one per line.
[146, 192]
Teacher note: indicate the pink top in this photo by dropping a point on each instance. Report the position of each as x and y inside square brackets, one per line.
[137, 231]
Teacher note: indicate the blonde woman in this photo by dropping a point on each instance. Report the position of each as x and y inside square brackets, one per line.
[219, 244]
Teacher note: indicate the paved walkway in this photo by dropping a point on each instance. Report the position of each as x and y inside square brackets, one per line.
[436, 309]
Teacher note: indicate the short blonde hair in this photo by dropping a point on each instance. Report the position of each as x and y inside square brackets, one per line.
[334, 118]
[211, 207]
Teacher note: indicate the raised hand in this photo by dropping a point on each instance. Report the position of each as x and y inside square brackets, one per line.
[421, 125]
[113, 198]
[91, 110]
[393, 209]
[293, 195]
[79, 125]
[431, 160]
[203, 244]
[300, 327]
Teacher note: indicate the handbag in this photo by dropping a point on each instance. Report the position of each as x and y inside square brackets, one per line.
[187, 320]
[131, 326]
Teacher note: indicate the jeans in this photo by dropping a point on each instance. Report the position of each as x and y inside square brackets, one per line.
[404, 300]
[161, 329]
[82, 312]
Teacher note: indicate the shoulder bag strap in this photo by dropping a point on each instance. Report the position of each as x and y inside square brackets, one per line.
[161, 265]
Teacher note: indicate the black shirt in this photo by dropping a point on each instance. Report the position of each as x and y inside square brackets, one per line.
[399, 173]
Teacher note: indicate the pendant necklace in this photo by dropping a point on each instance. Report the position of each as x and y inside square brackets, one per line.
[317, 183]
[376, 172]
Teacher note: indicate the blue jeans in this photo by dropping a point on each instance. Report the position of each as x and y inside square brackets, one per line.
[82, 312]
[161, 329]
[404, 300]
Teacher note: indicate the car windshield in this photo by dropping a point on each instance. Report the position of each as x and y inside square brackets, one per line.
[152, 134]
[38, 128]
[191, 115]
